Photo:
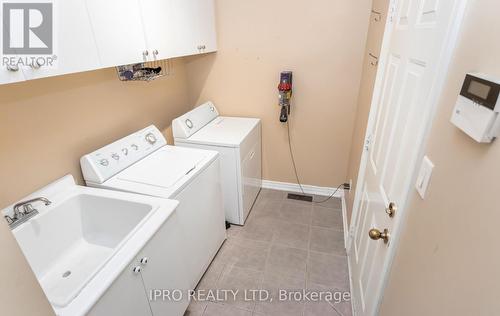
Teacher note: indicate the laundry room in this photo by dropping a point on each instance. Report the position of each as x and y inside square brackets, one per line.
[229, 157]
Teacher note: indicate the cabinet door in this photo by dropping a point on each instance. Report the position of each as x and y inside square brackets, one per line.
[159, 28]
[118, 31]
[125, 297]
[165, 269]
[11, 75]
[195, 26]
[75, 46]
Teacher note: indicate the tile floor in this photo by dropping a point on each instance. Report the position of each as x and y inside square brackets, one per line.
[286, 245]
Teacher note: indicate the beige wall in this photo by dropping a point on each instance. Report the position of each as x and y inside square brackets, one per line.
[373, 46]
[323, 43]
[448, 259]
[46, 126]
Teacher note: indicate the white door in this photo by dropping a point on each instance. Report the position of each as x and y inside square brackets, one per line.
[159, 28]
[75, 48]
[195, 26]
[416, 57]
[118, 31]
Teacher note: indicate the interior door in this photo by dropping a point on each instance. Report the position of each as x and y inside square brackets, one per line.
[118, 31]
[414, 56]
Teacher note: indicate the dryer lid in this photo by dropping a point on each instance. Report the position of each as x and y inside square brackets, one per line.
[164, 168]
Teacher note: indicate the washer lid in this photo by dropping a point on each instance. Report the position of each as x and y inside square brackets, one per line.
[224, 131]
[164, 168]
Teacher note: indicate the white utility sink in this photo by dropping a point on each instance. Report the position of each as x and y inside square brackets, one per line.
[80, 243]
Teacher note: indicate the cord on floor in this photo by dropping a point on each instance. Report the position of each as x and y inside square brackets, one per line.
[296, 173]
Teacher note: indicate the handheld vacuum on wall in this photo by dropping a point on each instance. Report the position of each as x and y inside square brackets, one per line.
[285, 95]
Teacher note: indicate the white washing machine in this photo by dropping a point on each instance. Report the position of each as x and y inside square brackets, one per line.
[238, 141]
[143, 163]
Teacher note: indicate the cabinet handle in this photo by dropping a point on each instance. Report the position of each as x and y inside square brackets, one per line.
[12, 68]
[144, 260]
[145, 53]
[35, 65]
[137, 270]
[155, 52]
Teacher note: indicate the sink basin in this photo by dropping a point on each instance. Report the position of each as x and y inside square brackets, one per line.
[72, 240]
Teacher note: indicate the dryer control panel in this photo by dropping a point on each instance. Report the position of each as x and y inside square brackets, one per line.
[194, 120]
[102, 164]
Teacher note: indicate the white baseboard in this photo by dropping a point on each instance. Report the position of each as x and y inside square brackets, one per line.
[309, 189]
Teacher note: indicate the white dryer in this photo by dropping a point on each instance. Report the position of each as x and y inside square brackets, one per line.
[238, 140]
[143, 163]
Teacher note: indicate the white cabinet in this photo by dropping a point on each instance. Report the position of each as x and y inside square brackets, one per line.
[9, 74]
[159, 29]
[75, 48]
[93, 34]
[194, 22]
[118, 31]
[161, 268]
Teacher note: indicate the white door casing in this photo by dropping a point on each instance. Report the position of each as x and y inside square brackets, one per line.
[419, 41]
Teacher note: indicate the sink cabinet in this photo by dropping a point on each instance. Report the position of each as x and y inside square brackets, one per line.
[156, 267]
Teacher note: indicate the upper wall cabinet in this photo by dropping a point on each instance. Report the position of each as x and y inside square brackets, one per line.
[132, 31]
[118, 31]
[75, 48]
[194, 22]
[159, 28]
[11, 74]
[93, 34]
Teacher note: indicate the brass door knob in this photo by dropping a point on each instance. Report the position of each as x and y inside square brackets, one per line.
[391, 209]
[376, 234]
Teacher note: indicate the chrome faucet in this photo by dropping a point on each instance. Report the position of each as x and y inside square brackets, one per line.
[23, 211]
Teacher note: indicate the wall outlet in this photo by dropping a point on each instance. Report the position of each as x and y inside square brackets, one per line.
[424, 176]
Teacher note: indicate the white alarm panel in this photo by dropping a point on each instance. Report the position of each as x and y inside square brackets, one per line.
[477, 108]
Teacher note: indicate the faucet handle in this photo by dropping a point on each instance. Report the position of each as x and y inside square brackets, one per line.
[9, 219]
[28, 208]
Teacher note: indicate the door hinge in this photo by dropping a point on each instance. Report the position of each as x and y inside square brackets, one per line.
[368, 142]
[392, 12]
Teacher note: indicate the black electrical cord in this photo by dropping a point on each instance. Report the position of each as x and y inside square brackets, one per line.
[295, 168]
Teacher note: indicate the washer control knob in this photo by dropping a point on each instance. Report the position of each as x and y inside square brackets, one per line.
[104, 162]
[115, 156]
[134, 147]
[189, 123]
[125, 151]
[151, 138]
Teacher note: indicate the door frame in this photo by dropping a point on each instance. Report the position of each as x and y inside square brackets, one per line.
[435, 94]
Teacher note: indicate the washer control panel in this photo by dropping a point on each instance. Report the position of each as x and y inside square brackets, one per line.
[106, 162]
